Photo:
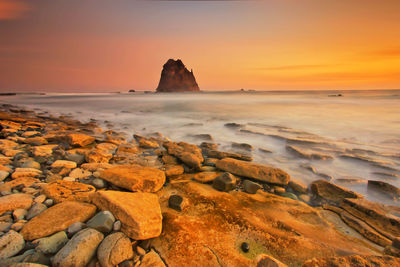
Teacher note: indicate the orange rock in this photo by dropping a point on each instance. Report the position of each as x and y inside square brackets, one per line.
[205, 177]
[139, 213]
[95, 166]
[62, 190]
[64, 164]
[98, 156]
[171, 170]
[43, 151]
[189, 154]
[15, 201]
[57, 218]
[256, 171]
[80, 139]
[331, 192]
[25, 172]
[135, 177]
[26, 181]
[354, 260]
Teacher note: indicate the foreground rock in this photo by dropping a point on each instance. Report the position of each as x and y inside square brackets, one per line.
[15, 201]
[139, 213]
[151, 259]
[114, 249]
[135, 177]
[256, 171]
[331, 192]
[62, 190]
[175, 77]
[10, 244]
[79, 250]
[355, 260]
[187, 153]
[80, 140]
[57, 218]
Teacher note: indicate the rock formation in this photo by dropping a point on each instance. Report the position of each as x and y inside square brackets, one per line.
[175, 77]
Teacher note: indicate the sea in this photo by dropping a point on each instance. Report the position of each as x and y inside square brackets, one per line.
[347, 137]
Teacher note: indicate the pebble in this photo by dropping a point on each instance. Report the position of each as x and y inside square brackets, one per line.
[5, 226]
[225, 182]
[102, 221]
[69, 179]
[19, 214]
[11, 244]
[18, 225]
[49, 202]
[3, 175]
[305, 198]
[35, 210]
[117, 226]
[98, 183]
[245, 247]
[278, 189]
[31, 164]
[40, 199]
[176, 202]
[250, 187]
[140, 251]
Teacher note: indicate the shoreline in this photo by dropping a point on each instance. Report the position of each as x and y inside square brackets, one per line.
[190, 193]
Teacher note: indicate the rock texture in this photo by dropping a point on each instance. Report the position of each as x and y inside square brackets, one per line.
[175, 77]
[139, 213]
[15, 201]
[114, 249]
[62, 190]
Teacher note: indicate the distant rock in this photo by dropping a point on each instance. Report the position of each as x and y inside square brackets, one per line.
[175, 77]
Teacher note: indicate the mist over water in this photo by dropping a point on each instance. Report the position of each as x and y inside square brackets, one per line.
[358, 132]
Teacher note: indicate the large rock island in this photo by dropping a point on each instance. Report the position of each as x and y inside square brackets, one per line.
[175, 77]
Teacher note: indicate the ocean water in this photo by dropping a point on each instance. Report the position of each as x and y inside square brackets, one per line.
[358, 132]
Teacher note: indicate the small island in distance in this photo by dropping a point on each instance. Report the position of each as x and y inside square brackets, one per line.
[175, 77]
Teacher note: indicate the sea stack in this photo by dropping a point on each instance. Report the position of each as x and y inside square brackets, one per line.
[175, 77]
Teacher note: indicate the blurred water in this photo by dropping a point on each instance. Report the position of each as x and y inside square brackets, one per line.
[368, 121]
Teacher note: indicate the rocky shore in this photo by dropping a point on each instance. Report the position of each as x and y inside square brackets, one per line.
[73, 194]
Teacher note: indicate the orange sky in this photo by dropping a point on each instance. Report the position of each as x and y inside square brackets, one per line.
[119, 45]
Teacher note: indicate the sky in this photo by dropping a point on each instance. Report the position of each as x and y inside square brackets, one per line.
[118, 45]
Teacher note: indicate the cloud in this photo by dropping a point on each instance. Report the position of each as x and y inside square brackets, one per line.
[387, 52]
[12, 9]
[296, 67]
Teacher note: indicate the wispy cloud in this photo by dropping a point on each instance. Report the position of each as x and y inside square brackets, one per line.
[387, 52]
[296, 67]
[12, 9]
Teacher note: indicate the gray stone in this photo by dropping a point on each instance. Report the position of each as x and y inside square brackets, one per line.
[75, 227]
[31, 164]
[250, 187]
[114, 249]
[51, 244]
[40, 198]
[18, 225]
[16, 259]
[10, 244]
[117, 226]
[38, 258]
[49, 202]
[5, 226]
[98, 183]
[102, 221]
[3, 175]
[79, 250]
[35, 210]
[175, 202]
[225, 182]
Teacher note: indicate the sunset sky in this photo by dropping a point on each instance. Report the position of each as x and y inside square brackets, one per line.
[113, 45]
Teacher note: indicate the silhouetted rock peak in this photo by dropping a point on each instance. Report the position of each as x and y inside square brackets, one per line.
[175, 77]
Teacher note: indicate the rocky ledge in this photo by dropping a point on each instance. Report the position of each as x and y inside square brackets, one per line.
[72, 194]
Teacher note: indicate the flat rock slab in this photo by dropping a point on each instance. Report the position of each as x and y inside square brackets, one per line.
[25, 181]
[79, 250]
[15, 201]
[206, 177]
[255, 171]
[80, 140]
[331, 192]
[135, 177]
[354, 260]
[189, 154]
[139, 213]
[57, 218]
[64, 164]
[63, 190]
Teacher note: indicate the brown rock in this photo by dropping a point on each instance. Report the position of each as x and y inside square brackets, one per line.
[187, 153]
[15, 201]
[63, 190]
[80, 139]
[384, 189]
[24, 181]
[43, 151]
[331, 192]
[151, 259]
[135, 177]
[255, 171]
[139, 213]
[176, 78]
[354, 260]
[172, 170]
[35, 141]
[25, 173]
[206, 177]
[64, 164]
[114, 249]
[98, 156]
[222, 154]
[57, 218]
[96, 166]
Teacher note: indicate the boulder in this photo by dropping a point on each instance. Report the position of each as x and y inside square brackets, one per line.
[250, 187]
[80, 140]
[114, 249]
[139, 213]
[255, 171]
[15, 201]
[172, 170]
[79, 250]
[330, 192]
[189, 154]
[63, 190]
[102, 221]
[225, 182]
[177, 202]
[10, 244]
[35, 210]
[135, 177]
[22, 181]
[175, 77]
[98, 156]
[57, 218]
